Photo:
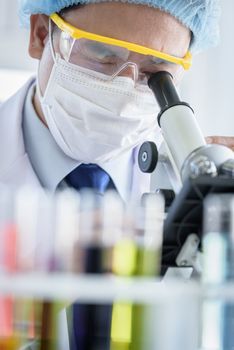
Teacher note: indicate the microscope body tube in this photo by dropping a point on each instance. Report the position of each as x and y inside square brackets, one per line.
[181, 133]
[180, 129]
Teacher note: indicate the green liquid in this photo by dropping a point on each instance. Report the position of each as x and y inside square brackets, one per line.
[128, 319]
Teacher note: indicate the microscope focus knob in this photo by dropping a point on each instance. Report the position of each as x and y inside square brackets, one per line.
[148, 157]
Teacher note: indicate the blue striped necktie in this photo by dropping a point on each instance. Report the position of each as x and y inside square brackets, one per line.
[90, 176]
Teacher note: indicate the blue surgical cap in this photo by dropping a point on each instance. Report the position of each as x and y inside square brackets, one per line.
[200, 16]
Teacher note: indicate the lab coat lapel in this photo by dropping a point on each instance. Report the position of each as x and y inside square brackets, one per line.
[15, 167]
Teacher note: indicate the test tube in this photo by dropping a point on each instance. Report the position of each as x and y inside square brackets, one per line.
[52, 235]
[218, 246]
[88, 246]
[148, 264]
[7, 231]
[66, 238]
[35, 218]
[46, 233]
[137, 254]
[90, 323]
[28, 313]
[150, 244]
[26, 218]
[168, 323]
[112, 226]
[7, 266]
[67, 228]
[119, 219]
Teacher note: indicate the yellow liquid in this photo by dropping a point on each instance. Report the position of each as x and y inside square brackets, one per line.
[12, 343]
[127, 328]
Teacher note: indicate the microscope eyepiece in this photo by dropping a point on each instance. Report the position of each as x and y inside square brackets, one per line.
[165, 92]
[162, 85]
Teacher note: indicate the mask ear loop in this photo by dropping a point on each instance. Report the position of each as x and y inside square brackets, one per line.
[38, 89]
[51, 41]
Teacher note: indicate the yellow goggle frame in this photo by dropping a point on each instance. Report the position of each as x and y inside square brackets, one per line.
[76, 33]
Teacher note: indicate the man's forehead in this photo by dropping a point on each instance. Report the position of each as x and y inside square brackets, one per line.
[105, 10]
[117, 17]
[139, 24]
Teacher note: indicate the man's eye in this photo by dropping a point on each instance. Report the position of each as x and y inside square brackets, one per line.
[110, 59]
[159, 61]
[156, 60]
[101, 54]
[98, 52]
[101, 57]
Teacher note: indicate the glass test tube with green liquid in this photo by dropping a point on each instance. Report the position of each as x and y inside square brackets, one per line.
[137, 255]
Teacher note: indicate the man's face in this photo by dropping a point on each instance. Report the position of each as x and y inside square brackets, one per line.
[138, 24]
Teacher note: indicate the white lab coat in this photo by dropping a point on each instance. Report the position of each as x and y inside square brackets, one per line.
[15, 167]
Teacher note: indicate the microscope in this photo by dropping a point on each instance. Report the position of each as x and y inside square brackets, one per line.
[193, 169]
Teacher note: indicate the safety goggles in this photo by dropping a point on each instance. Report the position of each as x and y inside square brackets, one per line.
[109, 56]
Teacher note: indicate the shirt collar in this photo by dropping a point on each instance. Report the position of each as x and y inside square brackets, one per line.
[52, 165]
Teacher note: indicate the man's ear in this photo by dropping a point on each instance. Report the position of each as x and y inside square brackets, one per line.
[39, 29]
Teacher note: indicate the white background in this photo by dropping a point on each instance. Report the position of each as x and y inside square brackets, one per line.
[208, 87]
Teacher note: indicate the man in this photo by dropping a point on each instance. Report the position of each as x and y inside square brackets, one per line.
[80, 123]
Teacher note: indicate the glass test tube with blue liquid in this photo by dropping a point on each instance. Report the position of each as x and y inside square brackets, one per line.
[218, 269]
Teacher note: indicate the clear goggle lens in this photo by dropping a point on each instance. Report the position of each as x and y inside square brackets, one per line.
[109, 59]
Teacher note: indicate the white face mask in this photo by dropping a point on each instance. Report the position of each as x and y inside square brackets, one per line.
[93, 119]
